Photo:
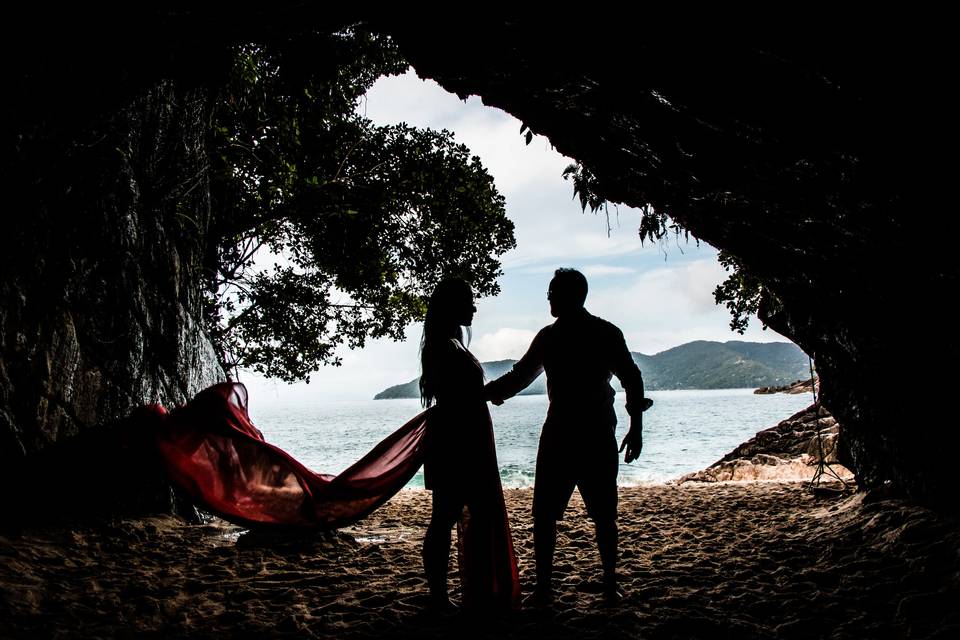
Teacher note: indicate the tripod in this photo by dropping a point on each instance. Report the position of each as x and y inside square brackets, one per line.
[823, 467]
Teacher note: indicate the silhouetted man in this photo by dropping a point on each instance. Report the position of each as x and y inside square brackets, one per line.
[578, 446]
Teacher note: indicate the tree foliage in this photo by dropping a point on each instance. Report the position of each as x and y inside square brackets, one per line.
[587, 188]
[361, 221]
[740, 292]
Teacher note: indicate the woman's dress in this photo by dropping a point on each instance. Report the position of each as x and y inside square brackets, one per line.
[461, 464]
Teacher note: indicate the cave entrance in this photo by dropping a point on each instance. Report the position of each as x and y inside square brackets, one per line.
[700, 373]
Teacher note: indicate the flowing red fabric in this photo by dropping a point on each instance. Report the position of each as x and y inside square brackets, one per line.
[214, 453]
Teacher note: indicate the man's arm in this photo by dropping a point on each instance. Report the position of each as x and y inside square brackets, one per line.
[524, 372]
[630, 377]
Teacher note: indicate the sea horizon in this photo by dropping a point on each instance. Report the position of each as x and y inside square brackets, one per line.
[685, 431]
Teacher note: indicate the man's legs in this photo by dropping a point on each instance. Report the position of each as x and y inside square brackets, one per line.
[598, 487]
[545, 543]
[551, 493]
[607, 544]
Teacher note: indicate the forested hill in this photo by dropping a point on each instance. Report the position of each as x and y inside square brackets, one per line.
[695, 365]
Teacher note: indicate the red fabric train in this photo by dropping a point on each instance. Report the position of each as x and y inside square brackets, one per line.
[214, 453]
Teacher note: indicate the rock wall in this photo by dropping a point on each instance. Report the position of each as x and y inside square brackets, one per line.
[101, 286]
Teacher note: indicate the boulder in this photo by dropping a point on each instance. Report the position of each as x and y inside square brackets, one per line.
[791, 450]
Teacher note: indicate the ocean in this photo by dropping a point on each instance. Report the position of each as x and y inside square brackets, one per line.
[685, 431]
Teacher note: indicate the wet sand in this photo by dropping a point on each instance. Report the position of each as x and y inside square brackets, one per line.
[726, 560]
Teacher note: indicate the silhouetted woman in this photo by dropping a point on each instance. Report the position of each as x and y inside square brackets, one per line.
[461, 463]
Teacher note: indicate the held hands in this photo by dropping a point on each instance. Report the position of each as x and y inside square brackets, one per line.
[494, 399]
[633, 441]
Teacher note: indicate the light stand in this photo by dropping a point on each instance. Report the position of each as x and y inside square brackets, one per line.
[823, 467]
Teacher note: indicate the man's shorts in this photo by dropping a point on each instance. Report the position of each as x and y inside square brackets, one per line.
[566, 460]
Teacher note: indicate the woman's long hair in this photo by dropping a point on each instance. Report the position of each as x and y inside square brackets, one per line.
[440, 325]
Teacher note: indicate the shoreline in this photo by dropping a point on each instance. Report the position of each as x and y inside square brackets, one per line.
[734, 559]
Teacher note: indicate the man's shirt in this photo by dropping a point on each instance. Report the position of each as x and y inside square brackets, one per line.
[579, 352]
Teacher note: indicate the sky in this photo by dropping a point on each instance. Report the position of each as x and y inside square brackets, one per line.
[659, 294]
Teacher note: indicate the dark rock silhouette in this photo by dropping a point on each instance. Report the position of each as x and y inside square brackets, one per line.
[102, 272]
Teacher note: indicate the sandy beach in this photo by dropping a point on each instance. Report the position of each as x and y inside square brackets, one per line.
[744, 560]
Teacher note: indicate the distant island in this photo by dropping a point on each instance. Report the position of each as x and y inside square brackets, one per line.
[694, 365]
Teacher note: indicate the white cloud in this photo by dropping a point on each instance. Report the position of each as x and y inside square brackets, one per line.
[504, 153]
[407, 98]
[668, 306]
[363, 373]
[502, 344]
[559, 245]
[600, 270]
[490, 133]
[685, 289]
[590, 270]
